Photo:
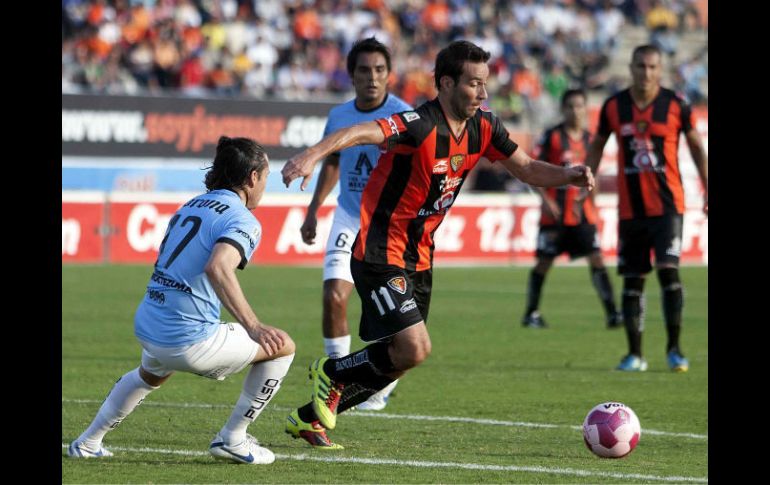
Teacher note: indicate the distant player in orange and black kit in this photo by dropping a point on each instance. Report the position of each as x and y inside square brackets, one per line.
[647, 120]
[427, 155]
[566, 224]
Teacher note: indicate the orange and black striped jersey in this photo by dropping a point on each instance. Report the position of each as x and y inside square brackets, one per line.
[649, 180]
[417, 179]
[557, 147]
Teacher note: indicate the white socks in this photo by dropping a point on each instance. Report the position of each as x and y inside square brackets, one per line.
[337, 347]
[261, 384]
[128, 392]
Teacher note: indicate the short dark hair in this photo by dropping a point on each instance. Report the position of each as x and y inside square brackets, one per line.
[369, 44]
[572, 92]
[234, 161]
[450, 60]
[646, 49]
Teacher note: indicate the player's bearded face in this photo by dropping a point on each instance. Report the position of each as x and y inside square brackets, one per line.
[646, 71]
[370, 77]
[470, 91]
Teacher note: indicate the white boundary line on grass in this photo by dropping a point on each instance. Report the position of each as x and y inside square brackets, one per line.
[436, 464]
[414, 417]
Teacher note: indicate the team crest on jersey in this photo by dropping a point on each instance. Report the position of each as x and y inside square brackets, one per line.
[641, 126]
[457, 162]
[398, 283]
[411, 116]
[626, 129]
[441, 166]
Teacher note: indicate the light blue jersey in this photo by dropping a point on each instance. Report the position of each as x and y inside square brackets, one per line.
[180, 306]
[356, 163]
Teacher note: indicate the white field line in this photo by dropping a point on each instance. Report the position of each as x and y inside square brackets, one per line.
[413, 417]
[436, 464]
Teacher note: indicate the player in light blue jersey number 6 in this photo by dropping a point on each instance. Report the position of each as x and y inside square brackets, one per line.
[369, 67]
[177, 322]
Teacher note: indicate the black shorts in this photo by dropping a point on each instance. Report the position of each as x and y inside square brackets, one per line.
[392, 298]
[638, 237]
[578, 241]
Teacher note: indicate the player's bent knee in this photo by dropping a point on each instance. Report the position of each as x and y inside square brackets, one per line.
[152, 379]
[335, 298]
[411, 356]
[289, 347]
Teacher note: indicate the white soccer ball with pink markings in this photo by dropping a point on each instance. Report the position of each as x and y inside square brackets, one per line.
[611, 430]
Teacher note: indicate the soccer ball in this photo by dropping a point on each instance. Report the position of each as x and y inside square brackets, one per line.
[611, 430]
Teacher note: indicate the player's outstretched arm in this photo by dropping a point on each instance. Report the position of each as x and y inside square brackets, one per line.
[593, 158]
[544, 174]
[701, 160]
[302, 165]
[220, 270]
[327, 179]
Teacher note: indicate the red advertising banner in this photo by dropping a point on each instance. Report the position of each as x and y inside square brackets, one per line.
[138, 224]
[82, 218]
[479, 229]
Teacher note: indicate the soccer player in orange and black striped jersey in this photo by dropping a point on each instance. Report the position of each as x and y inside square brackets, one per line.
[647, 120]
[428, 153]
[566, 223]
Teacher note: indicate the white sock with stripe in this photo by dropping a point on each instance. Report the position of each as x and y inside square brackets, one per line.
[128, 392]
[337, 347]
[261, 384]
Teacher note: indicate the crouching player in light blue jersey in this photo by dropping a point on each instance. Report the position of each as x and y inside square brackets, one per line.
[177, 323]
[369, 67]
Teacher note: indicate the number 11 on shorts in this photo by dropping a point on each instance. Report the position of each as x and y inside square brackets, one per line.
[386, 296]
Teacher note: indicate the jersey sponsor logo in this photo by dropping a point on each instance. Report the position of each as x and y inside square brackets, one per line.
[334, 262]
[393, 125]
[363, 161]
[457, 161]
[398, 284]
[163, 280]
[645, 159]
[449, 183]
[441, 166]
[408, 305]
[445, 202]
[424, 213]
[410, 116]
[156, 296]
[626, 129]
[246, 235]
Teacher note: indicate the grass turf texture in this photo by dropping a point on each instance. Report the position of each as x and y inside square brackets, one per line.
[484, 365]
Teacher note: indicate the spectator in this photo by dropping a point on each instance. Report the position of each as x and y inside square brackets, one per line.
[663, 22]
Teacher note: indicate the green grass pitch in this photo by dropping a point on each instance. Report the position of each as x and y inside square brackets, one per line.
[472, 413]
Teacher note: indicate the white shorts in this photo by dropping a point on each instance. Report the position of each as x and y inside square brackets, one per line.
[226, 352]
[339, 246]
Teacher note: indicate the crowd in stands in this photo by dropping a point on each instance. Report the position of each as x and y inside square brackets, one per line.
[295, 49]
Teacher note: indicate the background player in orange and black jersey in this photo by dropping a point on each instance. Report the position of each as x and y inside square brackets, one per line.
[647, 120]
[428, 154]
[566, 224]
